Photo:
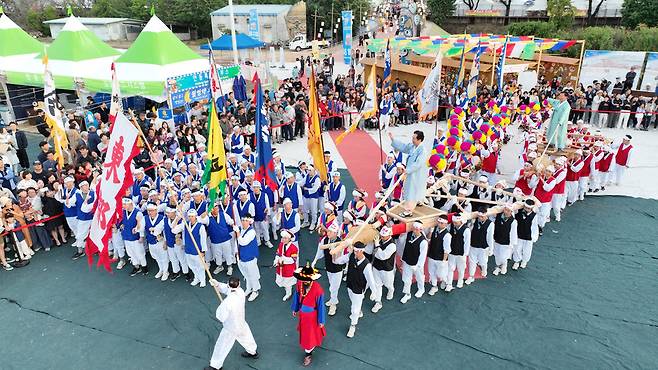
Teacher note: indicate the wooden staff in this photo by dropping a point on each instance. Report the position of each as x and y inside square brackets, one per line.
[473, 200]
[515, 196]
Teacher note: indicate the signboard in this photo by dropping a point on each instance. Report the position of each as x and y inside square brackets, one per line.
[483, 13]
[254, 27]
[188, 88]
[515, 68]
[650, 80]
[346, 16]
[600, 64]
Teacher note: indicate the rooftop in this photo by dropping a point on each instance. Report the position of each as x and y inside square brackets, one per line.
[93, 21]
[263, 9]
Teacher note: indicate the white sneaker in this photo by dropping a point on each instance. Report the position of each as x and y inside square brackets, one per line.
[405, 299]
[449, 288]
[253, 296]
[389, 295]
[469, 281]
[287, 296]
[350, 332]
[433, 290]
[195, 282]
[376, 307]
[443, 285]
[496, 271]
[229, 271]
[305, 224]
[269, 244]
[419, 293]
[158, 275]
[202, 285]
[503, 270]
[332, 310]
[360, 314]
[460, 283]
[121, 264]
[218, 269]
[483, 273]
[515, 266]
[524, 265]
[327, 303]
[165, 276]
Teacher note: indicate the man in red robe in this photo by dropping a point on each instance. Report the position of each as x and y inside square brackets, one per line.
[308, 306]
[285, 262]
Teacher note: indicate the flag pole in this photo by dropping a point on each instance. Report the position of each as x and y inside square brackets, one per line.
[233, 39]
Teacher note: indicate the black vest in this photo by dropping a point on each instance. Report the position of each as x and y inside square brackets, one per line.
[356, 280]
[524, 224]
[387, 264]
[479, 234]
[412, 249]
[457, 242]
[502, 229]
[328, 261]
[435, 249]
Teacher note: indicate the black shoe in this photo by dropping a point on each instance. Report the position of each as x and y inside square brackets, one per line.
[541, 231]
[77, 255]
[246, 354]
[189, 276]
[602, 188]
[174, 276]
[145, 270]
[135, 271]
[596, 190]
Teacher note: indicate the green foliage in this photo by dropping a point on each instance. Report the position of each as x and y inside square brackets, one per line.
[561, 13]
[358, 7]
[112, 8]
[636, 12]
[440, 9]
[35, 18]
[538, 29]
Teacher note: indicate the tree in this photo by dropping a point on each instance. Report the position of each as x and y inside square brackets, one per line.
[471, 4]
[323, 9]
[508, 5]
[636, 12]
[440, 9]
[593, 12]
[35, 17]
[112, 9]
[561, 13]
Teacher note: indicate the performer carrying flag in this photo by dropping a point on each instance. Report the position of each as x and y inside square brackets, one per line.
[428, 95]
[369, 107]
[387, 67]
[471, 90]
[54, 113]
[315, 146]
[214, 175]
[264, 169]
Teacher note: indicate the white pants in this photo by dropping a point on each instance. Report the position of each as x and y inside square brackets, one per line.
[355, 308]
[223, 252]
[225, 342]
[176, 264]
[606, 178]
[116, 245]
[583, 186]
[408, 273]
[272, 217]
[384, 120]
[603, 119]
[334, 285]
[557, 203]
[382, 279]
[571, 188]
[182, 259]
[159, 254]
[262, 232]
[522, 251]
[194, 262]
[81, 233]
[73, 225]
[477, 256]
[595, 180]
[623, 119]
[619, 173]
[251, 274]
[458, 263]
[438, 270]
[136, 252]
[544, 213]
[311, 207]
[502, 253]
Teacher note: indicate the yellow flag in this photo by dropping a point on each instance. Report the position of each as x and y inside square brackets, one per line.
[54, 114]
[214, 175]
[315, 147]
[369, 108]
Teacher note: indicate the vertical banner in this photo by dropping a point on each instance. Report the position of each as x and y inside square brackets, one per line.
[346, 16]
[254, 27]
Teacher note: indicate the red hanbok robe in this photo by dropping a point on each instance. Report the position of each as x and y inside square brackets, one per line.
[310, 311]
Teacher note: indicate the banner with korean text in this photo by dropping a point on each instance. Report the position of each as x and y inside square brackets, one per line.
[346, 16]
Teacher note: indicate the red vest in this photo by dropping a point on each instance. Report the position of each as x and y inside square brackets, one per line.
[571, 175]
[597, 164]
[542, 195]
[489, 163]
[585, 171]
[606, 162]
[287, 270]
[622, 154]
[559, 187]
[522, 183]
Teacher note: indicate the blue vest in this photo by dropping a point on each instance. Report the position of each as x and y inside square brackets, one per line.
[259, 207]
[236, 190]
[249, 158]
[387, 168]
[309, 183]
[71, 211]
[129, 222]
[82, 216]
[330, 166]
[170, 237]
[291, 192]
[250, 251]
[200, 208]
[334, 194]
[138, 184]
[288, 222]
[196, 233]
[236, 146]
[235, 167]
[243, 208]
[218, 229]
[150, 238]
[270, 196]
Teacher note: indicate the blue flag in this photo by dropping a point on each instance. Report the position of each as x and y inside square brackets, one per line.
[387, 67]
[501, 65]
[264, 162]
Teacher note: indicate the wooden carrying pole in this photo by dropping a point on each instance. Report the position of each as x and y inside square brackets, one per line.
[580, 61]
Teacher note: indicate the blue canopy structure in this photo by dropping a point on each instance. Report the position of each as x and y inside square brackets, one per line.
[224, 43]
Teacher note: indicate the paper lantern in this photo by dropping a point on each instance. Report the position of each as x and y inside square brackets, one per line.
[472, 108]
[441, 166]
[454, 131]
[453, 116]
[477, 135]
[441, 149]
[496, 109]
[496, 120]
[434, 160]
[527, 110]
[537, 107]
[504, 109]
[457, 145]
[451, 141]
[458, 110]
[484, 127]
[523, 107]
[491, 104]
[465, 146]
[454, 123]
[473, 149]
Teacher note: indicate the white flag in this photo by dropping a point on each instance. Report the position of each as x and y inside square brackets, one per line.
[428, 95]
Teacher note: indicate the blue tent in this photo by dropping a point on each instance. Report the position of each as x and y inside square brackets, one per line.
[224, 43]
